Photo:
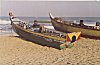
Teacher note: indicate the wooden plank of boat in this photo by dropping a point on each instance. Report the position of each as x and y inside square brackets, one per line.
[29, 31]
[87, 31]
[34, 36]
[38, 37]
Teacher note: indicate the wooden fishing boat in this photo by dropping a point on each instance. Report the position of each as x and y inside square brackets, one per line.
[66, 26]
[50, 38]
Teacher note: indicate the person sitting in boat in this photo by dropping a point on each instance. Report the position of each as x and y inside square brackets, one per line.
[41, 29]
[36, 24]
[81, 23]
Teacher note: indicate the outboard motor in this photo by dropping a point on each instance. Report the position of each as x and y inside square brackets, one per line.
[81, 23]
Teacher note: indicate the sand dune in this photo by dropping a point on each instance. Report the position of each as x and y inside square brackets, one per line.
[16, 51]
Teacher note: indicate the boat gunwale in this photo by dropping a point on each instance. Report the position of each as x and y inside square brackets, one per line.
[29, 31]
[76, 26]
[83, 35]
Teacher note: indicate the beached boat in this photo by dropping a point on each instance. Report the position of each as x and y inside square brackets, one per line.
[37, 34]
[66, 26]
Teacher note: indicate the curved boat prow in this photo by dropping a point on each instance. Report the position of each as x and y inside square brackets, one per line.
[11, 15]
[51, 16]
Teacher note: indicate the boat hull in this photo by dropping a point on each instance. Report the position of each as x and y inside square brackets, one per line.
[29, 35]
[68, 28]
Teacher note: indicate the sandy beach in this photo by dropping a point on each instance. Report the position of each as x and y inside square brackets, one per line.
[16, 51]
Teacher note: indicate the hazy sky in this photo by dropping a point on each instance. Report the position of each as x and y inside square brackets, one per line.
[57, 8]
[51, 0]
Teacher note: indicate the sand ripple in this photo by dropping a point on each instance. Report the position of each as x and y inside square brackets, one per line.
[15, 51]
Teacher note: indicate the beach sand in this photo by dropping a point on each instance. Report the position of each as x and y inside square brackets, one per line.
[16, 51]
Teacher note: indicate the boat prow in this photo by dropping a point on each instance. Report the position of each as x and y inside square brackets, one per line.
[51, 16]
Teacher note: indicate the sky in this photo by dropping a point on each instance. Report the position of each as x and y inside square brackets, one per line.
[57, 8]
[52, 0]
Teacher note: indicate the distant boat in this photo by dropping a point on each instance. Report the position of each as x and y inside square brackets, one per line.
[67, 26]
[37, 34]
